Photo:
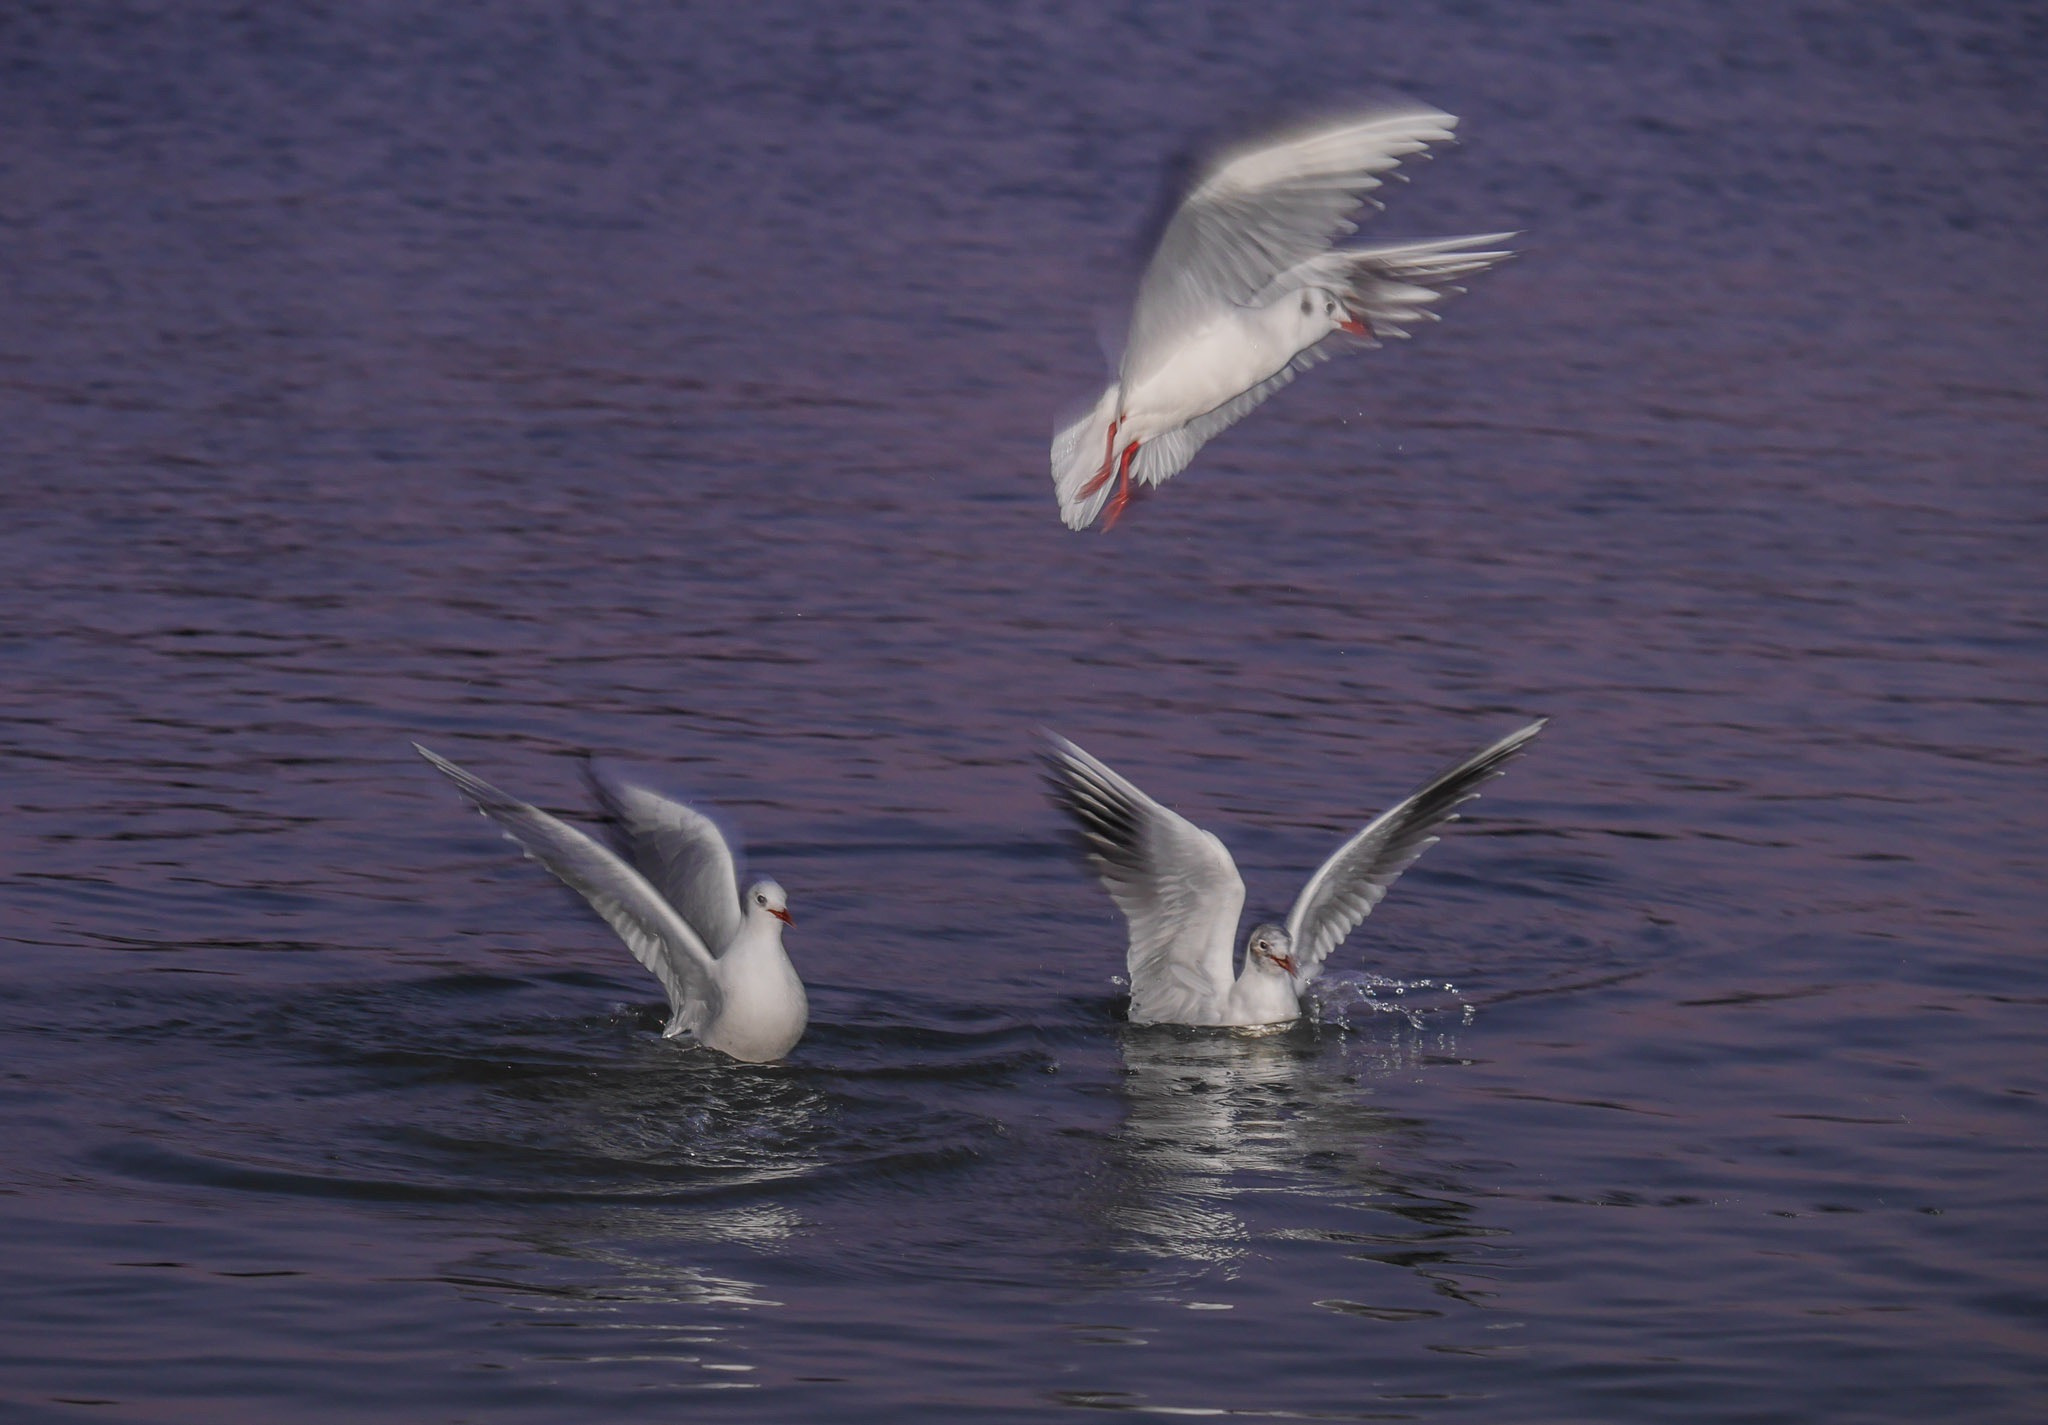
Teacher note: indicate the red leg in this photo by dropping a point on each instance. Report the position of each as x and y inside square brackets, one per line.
[1123, 489]
[1108, 454]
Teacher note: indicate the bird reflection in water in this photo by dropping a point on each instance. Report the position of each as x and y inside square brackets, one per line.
[630, 1283]
[658, 1176]
[1217, 1119]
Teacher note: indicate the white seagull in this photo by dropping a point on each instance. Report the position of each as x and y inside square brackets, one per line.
[1181, 893]
[1244, 290]
[677, 899]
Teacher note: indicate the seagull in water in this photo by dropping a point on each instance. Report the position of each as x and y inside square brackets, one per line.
[1181, 893]
[675, 899]
[1244, 290]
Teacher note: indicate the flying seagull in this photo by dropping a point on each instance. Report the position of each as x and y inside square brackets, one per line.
[1244, 290]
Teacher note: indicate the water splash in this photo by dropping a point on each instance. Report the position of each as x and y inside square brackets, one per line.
[1349, 1001]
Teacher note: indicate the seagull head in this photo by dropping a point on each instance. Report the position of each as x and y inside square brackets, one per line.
[1271, 949]
[1319, 311]
[769, 899]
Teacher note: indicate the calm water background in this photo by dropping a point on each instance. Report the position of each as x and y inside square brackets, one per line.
[528, 379]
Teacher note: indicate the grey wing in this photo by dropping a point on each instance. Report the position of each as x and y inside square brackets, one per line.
[1348, 885]
[683, 853]
[1260, 211]
[1174, 882]
[653, 931]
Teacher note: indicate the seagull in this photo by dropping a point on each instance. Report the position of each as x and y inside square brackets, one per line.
[1244, 290]
[676, 898]
[1181, 893]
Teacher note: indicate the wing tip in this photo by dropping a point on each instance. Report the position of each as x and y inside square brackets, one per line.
[604, 784]
[1527, 732]
[1395, 127]
[466, 781]
[1054, 748]
[1078, 775]
[1100, 804]
[1463, 779]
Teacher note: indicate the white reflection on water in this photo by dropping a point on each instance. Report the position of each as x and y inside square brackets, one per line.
[628, 1285]
[649, 1257]
[1215, 1119]
[1195, 1116]
[661, 1164]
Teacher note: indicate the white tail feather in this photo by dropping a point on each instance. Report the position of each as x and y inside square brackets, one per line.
[1077, 458]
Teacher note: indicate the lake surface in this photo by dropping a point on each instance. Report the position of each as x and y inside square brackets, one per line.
[534, 380]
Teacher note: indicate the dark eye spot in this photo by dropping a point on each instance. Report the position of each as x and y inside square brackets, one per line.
[1304, 306]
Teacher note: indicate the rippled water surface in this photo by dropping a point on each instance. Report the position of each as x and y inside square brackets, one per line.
[534, 379]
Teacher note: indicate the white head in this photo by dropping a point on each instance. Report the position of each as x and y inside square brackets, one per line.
[1316, 312]
[1270, 950]
[765, 897]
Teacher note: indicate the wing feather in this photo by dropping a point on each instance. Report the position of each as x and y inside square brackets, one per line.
[1392, 287]
[1174, 882]
[682, 853]
[1354, 880]
[1259, 212]
[657, 936]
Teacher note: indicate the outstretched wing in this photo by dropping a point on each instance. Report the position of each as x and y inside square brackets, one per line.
[1389, 288]
[1174, 882]
[1353, 881]
[682, 852]
[654, 933]
[1261, 210]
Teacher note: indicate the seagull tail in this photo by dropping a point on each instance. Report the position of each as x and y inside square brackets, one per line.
[1077, 456]
[1392, 288]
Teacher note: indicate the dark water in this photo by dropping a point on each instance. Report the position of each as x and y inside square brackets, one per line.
[530, 378]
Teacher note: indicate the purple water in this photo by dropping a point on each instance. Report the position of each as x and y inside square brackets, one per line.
[530, 379]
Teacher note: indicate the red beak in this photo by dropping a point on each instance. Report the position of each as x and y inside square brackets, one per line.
[1285, 962]
[1354, 326]
[784, 916]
